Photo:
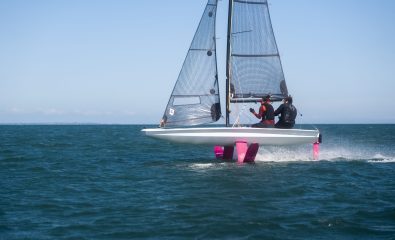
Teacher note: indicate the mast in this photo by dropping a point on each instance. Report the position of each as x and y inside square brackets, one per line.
[230, 11]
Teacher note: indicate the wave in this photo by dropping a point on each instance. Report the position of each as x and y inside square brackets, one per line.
[201, 165]
[206, 166]
[302, 154]
[378, 158]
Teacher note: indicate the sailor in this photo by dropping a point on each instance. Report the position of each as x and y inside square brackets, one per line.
[266, 114]
[163, 121]
[287, 113]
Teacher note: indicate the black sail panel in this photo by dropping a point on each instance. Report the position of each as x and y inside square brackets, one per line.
[195, 97]
[255, 62]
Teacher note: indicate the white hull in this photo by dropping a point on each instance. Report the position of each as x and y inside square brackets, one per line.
[229, 136]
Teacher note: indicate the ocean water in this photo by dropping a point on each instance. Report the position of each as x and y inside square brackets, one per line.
[111, 182]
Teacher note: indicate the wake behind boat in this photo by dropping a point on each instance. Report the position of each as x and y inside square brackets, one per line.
[253, 71]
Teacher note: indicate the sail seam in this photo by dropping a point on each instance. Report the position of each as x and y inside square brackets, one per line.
[248, 2]
[179, 95]
[201, 49]
[182, 120]
[255, 55]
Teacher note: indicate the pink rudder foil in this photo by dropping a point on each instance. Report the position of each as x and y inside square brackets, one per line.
[316, 151]
[241, 148]
[251, 152]
[219, 152]
[228, 152]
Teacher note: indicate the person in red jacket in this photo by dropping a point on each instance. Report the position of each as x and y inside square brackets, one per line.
[266, 114]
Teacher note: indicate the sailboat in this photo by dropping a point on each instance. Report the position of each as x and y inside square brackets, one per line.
[253, 70]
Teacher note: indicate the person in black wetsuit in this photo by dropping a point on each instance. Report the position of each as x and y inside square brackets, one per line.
[266, 114]
[287, 113]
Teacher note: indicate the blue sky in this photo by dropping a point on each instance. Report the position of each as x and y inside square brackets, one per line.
[96, 61]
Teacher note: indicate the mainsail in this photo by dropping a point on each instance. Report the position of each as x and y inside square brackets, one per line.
[195, 97]
[254, 63]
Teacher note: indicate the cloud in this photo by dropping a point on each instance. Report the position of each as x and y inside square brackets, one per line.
[128, 113]
[66, 114]
[51, 111]
[16, 110]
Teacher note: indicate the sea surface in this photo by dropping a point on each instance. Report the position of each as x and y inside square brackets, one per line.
[112, 182]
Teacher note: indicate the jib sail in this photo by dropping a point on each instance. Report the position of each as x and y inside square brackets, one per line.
[195, 97]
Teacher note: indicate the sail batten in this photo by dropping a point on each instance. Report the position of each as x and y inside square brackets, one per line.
[251, 2]
[201, 49]
[255, 55]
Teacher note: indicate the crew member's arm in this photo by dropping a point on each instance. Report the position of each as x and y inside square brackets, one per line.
[279, 110]
[262, 110]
